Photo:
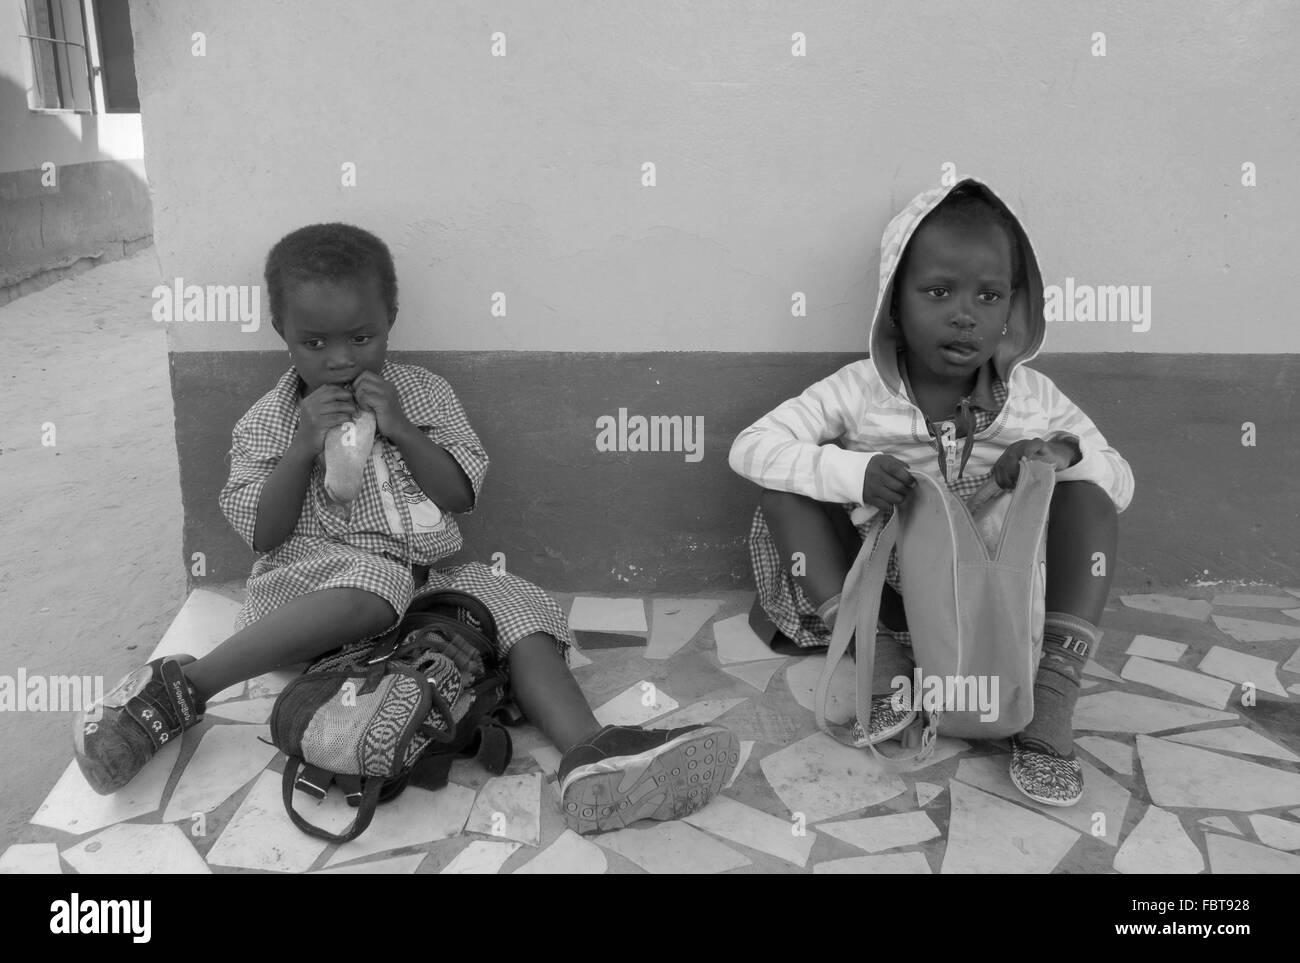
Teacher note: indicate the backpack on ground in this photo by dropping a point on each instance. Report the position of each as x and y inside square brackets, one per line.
[375, 717]
[973, 592]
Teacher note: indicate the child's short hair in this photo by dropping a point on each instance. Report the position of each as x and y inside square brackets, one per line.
[965, 204]
[328, 252]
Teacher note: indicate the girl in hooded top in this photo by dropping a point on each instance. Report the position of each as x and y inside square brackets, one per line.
[960, 310]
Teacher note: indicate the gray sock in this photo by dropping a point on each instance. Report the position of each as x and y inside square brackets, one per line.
[1067, 642]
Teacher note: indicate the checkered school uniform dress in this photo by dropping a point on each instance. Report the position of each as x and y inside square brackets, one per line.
[781, 596]
[391, 528]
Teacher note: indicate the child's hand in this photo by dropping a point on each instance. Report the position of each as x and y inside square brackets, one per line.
[887, 482]
[380, 396]
[1056, 453]
[325, 408]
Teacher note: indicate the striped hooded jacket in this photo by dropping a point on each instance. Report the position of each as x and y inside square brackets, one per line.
[819, 444]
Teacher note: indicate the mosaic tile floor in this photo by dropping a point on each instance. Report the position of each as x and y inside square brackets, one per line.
[1182, 777]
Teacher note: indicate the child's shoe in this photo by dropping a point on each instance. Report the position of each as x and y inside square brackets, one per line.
[625, 773]
[1045, 776]
[147, 709]
[887, 721]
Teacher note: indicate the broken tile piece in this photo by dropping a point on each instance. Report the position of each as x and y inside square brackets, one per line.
[736, 641]
[746, 747]
[912, 863]
[235, 691]
[1238, 667]
[1129, 712]
[226, 759]
[762, 723]
[925, 792]
[822, 778]
[596, 641]
[31, 858]
[945, 747]
[1254, 601]
[481, 858]
[1235, 739]
[1197, 609]
[590, 614]
[1181, 682]
[1222, 823]
[877, 833]
[392, 866]
[1249, 630]
[1278, 833]
[74, 807]
[576, 658]
[1179, 776]
[1150, 647]
[697, 713]
[548, 757]
[674, 622]
[205, 621]
[990, 835]
[1158, 844]
[756, 674]
[509, 807]
[1230, 855]
[1101, 794]
[1294, 613]
[802, 677]
[636, 705]
[255, 711]
[1088, 683]
[415, 817]
[272, 683]
[133, 848]
[1094, 668]
[1116, 755]
[738, 823]
[672, 848]
[260, 835]
[569, 854]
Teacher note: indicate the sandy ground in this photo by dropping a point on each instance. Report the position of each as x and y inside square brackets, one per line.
[91, 573]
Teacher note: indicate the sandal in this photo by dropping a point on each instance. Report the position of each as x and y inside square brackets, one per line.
[887, 721]
[1045, 776]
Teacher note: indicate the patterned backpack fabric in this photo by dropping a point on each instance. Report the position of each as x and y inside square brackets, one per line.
[399, 710]
[974, 583]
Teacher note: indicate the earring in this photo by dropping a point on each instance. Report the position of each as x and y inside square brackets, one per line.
[1004, 329]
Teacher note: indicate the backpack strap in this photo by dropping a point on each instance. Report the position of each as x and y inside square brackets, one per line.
[1031, 502]
[860, 611]
[371, 787]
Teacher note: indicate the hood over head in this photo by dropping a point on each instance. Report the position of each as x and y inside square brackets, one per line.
[1026, 326]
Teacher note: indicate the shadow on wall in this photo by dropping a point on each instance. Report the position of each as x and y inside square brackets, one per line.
[59, 219]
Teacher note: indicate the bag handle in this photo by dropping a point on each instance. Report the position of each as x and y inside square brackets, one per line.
[370, 789]
[860, 604]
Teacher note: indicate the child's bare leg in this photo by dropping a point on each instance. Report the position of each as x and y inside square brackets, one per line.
[301, 629]
[547, 692]
[1082, 534]
[829, 543]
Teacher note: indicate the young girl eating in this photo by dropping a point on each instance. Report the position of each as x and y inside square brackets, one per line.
[330, 575]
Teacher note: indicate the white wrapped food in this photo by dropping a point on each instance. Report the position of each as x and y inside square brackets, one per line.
[347, 449]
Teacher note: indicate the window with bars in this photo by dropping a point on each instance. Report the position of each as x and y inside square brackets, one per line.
[82, 55]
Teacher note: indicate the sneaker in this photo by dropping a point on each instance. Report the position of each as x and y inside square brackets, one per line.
[1044, 775]
[624, 774]
[887, 721]
[115, 737]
